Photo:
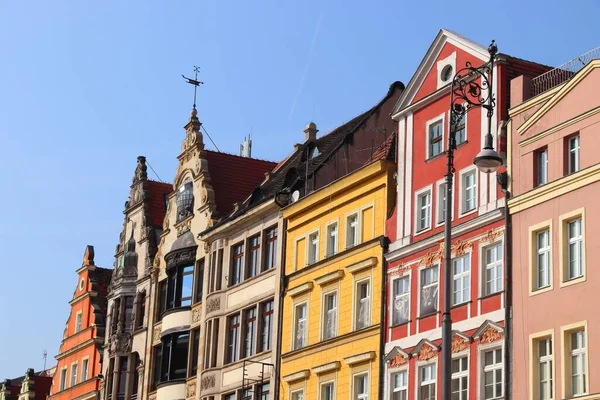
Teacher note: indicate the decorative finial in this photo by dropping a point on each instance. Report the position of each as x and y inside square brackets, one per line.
[194, 82]
[493, 48]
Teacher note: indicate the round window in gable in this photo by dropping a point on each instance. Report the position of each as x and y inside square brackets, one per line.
[446, 73]
[81, 283]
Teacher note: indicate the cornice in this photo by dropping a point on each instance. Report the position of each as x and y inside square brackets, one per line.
[83, 296]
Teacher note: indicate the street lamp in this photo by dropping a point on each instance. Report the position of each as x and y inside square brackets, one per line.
[471, 88]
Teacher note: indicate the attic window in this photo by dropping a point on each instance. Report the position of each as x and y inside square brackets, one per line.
[314, 152]
[185, 200]
[81, 283]
[446, 73]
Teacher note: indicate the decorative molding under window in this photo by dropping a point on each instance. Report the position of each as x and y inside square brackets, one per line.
[361, 265]
[329, 367]
[305, 287]
[296, 376]
[330, 277]
[359, 358]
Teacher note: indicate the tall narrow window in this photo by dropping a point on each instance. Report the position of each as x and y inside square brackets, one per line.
[78, 322]
[84, 369]
[128, 312]
[363, 305]
[574, 251]
[109, 376]
[157, 364]
[63, 379]
[460, 378]
[140, 313]
[541, 166]
[493, 269]
[400, 386]
[461, 130]
[427, 382]
[184, 198]
[313, 248]
[199, 281]
[237, 263]
[436, 145]
[545, 368]
[219, 271]
[401, 310]
[300, 327]
[253, 256]
[175, 356]
[134, 375]
[327, 391]
[492, 374]
[233, 338]
[180, 286]
[249, 331]
[423, 211]
[266, 325]
[73, 374]
[264, 392]
[469, 191]
[161, 304]
[122, 384]
[270, 258]
[193, 370]
[578, 363]
[351, 230]
[330, 316]
[429, 290]
[361, 387]
[461, 278]
[114, 315]
[332, 239]
[543, 269]
[441, 203]
[574, 165]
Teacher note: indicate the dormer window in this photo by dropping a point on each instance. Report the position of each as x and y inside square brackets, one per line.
[314, 152]
[185, 200]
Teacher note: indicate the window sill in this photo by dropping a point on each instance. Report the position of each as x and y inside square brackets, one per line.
[401, 324]
[433, 158]
[174, 310]
[464, 303]
[573, 281]
[487, 296]
[429, 315]
[541, 290]
[422, 231]
[467, 213]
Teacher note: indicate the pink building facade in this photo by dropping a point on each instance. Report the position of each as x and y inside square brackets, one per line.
[554, 169]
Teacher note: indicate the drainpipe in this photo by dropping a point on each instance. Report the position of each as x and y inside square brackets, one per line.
[282, 288]
[508, 295]
[384, 242]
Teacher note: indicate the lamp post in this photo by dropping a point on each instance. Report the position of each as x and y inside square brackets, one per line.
[472, 87]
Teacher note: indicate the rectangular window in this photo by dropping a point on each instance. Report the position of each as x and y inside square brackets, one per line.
[73, 375]
[461, 278]
[253, 256]
[266, 325]
[469, 191]
[233, 338]
[219, 277]
[249, 331]
[329, 316]
[161, 305]
[270, 255]
[129, 300]
[578, 363]
[193, 370]
[436, 146]
[327, 391]
[140, 313]
[332, 239]
[429, 290]
[541, 166]
[400, 386]
[441, 203]
[423, 210]
[229, 396]
[122, 384]
[300, 326]
[575, 249]
[298, 395]
[63, 379]
[211, 343]
[180, 286]
[157, 363]
[363, 305]
[114, 315]
[401, 310]
[427, 382]
[264, 392]
[313, 248]
[212, 272]
[492, 374]
[460, 378]
[361, 387]
[246, 394]
[351, 230]
[461, 130]
[175, 356]
[237, 263]
[493, 269]
[199, 281]
[78, 322]
[573, 155]
[543, 267]
[545, 371]
[84, 369]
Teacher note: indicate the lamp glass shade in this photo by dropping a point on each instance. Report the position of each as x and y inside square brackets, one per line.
[488, 161]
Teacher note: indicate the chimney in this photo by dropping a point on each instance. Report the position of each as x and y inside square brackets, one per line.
[310, 131]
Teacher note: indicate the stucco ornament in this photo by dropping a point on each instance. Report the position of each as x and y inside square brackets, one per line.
[425, 353]
[460, 247]
[190, 390]
[196, 315]
[398, 361]
[491, 235]
[213, 304]
[491, 335]
[156, 333]
[207, 382]
[458, 344]
[400, 270]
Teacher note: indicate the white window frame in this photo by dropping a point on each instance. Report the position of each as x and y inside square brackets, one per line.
[324, 313]
[295, 325]
[73, 376]
[433, 379]
[325, 383]
[465, 117]
[420, 288]
[545, 362]
[497, 365]
[312, 239]
[463, 189]
[578, 239]
[63, 379]
[400, 389]
[84, 361]
[440, 118]
[441, 64]
[357, 302]
[541, 167]
[544, 251]
[580, 354]
[439, 206]
[361, 396]
[357, 231]
[294, 394]
[465, 259]
[461, 374]
[395, 298]
[78, 321]
[485, 267]
[426, 191]
[329, 232]
[576, 151]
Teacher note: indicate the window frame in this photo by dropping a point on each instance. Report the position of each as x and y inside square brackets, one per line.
[324, 313]
[533, 259]
[356, 240]
[493, 347]
[462, 195]
[253, 253]
[357, 300]
[428, 124]
[294, 344]
[236, 265]
[499, 263]
[360, 396]
[423, 192]
[571, 169]
[440, 209]
[394, 297]
[565, 342]
[264, 316]
[63, 379]
[329, 252]
[233, 344]
[78, 321]
[462, 373]
[269, 248]
[324, 383]
[464, 127]
[534, 363]
[420, 383]
[199, 280]
[540, 167]
[392, 374]
[169, 344]
[564, 221]
[313, 238]
[420, 287]
[73, 376]
[176, 275]
[249, 320]
[84, 361]
[295, 392]
[460, 278]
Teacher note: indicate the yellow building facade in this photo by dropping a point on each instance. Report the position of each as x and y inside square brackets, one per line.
[332, 303]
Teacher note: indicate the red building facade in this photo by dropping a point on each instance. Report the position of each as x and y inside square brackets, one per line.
[415, 258]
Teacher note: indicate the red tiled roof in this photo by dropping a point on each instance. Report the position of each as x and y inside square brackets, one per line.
[156, 203]
[233, 178]
[383, 152]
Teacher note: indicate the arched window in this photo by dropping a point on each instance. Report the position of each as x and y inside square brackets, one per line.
[185, 199]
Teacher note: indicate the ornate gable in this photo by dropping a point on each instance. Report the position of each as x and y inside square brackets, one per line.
[460, 341]
[425, 350]
[489, 332]
[396, 358]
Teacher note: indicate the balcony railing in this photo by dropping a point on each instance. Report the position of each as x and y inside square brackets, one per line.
[563, 73]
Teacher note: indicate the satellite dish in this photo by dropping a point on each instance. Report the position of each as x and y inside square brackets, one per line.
[295, 196]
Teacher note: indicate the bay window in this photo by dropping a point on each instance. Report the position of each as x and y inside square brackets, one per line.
[174, 356]
[180, 286]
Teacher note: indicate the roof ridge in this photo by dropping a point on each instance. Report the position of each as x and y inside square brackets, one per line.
[242, 157]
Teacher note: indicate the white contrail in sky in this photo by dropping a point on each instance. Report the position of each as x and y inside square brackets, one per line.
[308, 62]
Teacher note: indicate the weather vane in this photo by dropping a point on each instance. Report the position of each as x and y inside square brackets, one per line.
[194, 82]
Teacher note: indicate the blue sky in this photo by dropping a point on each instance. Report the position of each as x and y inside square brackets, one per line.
[86, 87]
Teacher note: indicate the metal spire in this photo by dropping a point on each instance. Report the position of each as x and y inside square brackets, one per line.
[194, 82]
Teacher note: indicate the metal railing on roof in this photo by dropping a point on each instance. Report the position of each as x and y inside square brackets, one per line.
[563, 73]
